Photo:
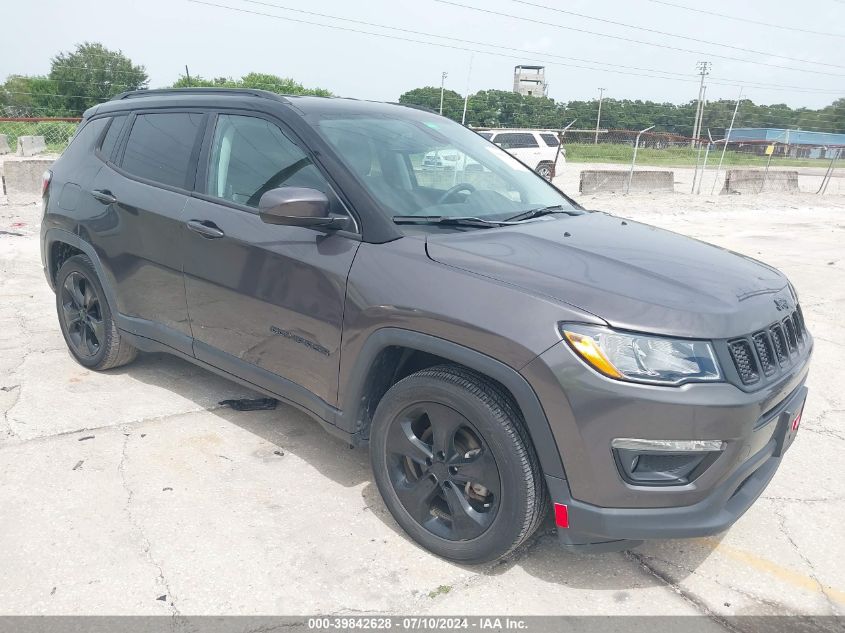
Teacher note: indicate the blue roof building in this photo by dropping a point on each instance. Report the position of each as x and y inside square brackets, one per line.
[798, 143]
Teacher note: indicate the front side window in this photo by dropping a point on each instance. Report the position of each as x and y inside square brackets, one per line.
[160, 147]
[250, 156]
[412, 163]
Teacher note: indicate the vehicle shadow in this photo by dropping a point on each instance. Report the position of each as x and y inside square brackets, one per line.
[295, 432]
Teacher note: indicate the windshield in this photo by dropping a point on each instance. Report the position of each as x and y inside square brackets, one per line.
[417, 166]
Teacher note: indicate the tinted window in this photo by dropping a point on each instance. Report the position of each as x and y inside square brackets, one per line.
[112, 134]
[250, 156]
[160, 147]
[84, 139]
[415, 164]
[487, 135]
[550, 139]
[511, 140]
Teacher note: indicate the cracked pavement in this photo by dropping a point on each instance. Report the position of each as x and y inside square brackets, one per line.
[133, 492]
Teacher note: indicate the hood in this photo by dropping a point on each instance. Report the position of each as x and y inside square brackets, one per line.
[632, 275]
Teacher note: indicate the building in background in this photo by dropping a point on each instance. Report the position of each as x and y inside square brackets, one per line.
[793, 143]
[530, 81]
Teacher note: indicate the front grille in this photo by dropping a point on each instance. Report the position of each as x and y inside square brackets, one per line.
[780, 344]
[744, 361]
[763, 353]
[791, 339]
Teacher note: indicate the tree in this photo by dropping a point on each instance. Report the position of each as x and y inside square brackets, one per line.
[92, 74]
[429, 97]
[260, 81]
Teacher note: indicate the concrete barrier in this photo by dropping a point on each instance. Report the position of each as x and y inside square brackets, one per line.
[22, 178]
[616, 181]
[31, 145]
[758, 181]
[4, 144]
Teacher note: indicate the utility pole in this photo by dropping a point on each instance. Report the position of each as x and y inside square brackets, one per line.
[443, 76]
[188, 75]
[703, 70]
[598, 118]
[466, 96]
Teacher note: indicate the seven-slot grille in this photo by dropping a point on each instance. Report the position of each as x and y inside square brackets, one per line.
[764, 352]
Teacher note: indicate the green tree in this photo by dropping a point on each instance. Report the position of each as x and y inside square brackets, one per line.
[92, 74]
[429, 97]
[260, 81]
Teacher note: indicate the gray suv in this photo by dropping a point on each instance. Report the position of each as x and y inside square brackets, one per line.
[506, 355]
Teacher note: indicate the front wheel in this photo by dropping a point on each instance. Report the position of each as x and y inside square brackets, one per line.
[455, 466]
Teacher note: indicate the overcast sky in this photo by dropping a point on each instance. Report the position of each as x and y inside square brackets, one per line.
[165, 35]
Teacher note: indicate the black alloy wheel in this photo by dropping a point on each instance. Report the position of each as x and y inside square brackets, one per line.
[82, 315]
[443, 472]
[455, 465]
[86, 319]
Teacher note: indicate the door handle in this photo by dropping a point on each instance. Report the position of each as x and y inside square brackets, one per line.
[205, 228]
[104, 195]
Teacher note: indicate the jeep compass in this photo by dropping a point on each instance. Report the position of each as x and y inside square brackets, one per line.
[505, 355]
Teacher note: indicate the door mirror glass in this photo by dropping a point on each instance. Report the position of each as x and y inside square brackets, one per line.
[298, 206]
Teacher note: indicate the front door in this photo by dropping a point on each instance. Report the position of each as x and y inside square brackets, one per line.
[265, 301]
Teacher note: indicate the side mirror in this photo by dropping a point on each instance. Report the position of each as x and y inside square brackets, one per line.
[298, 206]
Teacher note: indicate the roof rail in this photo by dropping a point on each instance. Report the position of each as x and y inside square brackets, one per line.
[414, 106]
[159, 92]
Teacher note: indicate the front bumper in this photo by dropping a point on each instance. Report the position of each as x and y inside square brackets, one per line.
[586, 411]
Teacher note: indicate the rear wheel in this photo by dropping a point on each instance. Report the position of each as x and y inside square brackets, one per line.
[86, 319]
[454, 465]
[545, 171]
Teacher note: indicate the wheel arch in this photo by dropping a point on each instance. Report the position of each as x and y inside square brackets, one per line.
[390, 354]
[60, 245]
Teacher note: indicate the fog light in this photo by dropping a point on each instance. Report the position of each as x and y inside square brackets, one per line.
[668, 446]
[664, 462]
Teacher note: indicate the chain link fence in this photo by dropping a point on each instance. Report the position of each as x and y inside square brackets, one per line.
[617, 161]
[56, 133]
[708, 166]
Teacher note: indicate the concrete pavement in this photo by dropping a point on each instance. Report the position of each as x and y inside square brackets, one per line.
[133, 492]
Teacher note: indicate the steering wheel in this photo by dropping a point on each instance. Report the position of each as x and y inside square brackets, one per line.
[461, 186]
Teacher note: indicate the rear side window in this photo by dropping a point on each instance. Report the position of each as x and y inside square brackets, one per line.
[160, 147]
[112, 134]
[83, 141]
[550, 139]
[514, 140]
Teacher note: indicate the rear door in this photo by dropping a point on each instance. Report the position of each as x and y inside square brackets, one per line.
[266, 301]
[139, 234]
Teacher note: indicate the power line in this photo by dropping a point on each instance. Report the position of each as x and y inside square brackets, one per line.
[747, 20]
[545, 56]
[675, 35]
[517, 50]
[633, 41]
[445, 37]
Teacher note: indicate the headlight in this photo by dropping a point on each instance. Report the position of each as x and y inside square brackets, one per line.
[642, 357]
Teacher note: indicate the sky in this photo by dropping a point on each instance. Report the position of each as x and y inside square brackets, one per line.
[166, 35]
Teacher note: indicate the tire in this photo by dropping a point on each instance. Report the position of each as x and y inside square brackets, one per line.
[440, 438]
[86, 319]
[544, 170]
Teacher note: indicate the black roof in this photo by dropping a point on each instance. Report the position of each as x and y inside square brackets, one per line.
[246, 98]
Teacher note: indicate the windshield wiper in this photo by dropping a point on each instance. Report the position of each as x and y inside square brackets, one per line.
[536, 213]
[448, 220]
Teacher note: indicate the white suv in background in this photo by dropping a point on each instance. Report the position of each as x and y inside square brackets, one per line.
[539, 149]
